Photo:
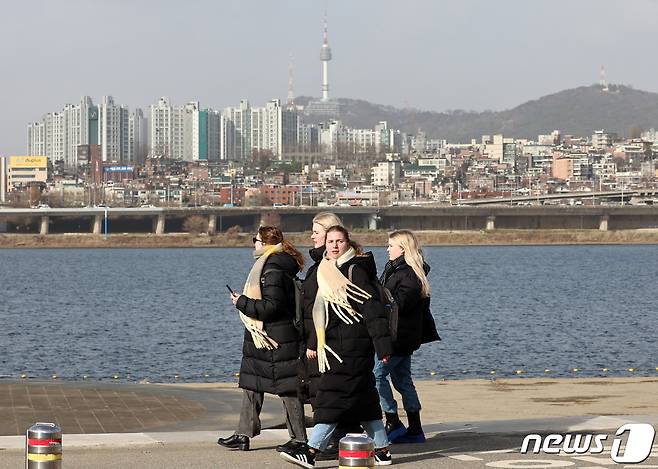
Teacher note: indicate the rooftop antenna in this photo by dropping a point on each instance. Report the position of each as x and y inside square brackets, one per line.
[291, 94]
[602, 81]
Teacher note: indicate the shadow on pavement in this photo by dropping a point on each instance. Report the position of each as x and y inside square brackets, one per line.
[445, 444]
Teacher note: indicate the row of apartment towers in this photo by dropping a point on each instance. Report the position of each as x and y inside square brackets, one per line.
[185, 132]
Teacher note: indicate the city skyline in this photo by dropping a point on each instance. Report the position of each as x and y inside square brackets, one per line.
[462, 47]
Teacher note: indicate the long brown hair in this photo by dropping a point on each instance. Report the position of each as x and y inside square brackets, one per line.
[272, 235]
[346, 234]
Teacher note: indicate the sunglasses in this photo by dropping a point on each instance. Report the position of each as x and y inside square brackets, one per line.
[254, 239]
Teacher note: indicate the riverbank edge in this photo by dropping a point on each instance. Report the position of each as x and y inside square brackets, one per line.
[364, 237]
[496, 382]
[503, 381]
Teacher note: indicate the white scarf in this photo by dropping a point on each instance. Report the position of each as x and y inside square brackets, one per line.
[252, 290]
[334, 291]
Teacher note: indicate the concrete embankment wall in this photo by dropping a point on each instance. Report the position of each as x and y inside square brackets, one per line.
[364, 237]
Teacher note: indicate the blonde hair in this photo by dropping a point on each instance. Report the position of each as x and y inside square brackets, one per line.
[327, 219]
[413, 256]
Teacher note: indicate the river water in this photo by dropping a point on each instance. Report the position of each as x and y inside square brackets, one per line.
[165, 315]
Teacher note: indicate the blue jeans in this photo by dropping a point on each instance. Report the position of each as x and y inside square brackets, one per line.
[322, 433]
[399, 367]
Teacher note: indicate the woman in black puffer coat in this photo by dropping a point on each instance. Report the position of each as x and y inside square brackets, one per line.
[351, 327]
[309, 374]
[270, 356]
[405, 276]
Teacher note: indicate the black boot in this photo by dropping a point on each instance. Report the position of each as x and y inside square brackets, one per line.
[415, 432]
[394, 426]
[235, 441]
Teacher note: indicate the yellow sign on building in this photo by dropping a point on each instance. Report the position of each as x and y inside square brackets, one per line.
[16, 162]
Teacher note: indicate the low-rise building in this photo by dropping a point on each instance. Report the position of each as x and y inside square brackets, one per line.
[23, 170]
[386, 173]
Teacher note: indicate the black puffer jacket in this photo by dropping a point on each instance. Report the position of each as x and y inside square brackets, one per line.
[309, 374]
[272, 371]
[403, 283]
[346, 392]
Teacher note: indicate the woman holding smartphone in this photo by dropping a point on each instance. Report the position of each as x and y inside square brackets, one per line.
[270, 351]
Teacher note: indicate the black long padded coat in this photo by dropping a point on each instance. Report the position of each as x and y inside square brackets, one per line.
[346, 392]
[400, 279]
[272, 371]
[309, 374]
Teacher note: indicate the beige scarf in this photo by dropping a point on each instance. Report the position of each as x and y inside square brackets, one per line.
[334, 291]
[252, 290]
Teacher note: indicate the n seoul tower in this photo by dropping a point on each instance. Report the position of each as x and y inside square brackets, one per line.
[324, 107]
[325, 57]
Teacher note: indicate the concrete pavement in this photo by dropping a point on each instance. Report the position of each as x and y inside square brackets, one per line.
[472, 423]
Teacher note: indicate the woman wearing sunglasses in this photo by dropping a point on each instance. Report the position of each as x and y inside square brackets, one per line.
[270, 351]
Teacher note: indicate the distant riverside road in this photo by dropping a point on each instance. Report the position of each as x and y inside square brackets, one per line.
[543, 224]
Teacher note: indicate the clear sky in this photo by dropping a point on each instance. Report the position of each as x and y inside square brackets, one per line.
[428, 54]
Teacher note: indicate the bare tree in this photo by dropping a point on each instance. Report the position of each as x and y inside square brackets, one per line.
[195, 224]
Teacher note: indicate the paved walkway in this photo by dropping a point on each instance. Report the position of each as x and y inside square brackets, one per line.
[477, 421]
[91, 408]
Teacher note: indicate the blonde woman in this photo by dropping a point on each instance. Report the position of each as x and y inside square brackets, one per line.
[310, 375]
[405, 276]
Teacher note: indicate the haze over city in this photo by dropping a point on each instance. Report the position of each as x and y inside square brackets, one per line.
[428, 55]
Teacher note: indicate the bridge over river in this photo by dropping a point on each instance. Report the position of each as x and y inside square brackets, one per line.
[440, 217]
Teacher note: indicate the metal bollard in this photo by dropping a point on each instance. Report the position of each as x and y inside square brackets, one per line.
[356, 451]
[43, 446]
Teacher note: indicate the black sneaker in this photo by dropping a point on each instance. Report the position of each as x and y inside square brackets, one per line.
[289, 445]
[383, 457]
[301, 456]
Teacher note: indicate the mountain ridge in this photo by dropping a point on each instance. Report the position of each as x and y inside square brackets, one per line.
[577, 111]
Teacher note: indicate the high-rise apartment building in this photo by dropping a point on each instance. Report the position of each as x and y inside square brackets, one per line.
[36, 138]
[137, 137]
[195, 132]
[236, 132]
[186, 133]
[387, 139]
[161, 128]
[308, 139]
[333, 134]
[55, 134]
[275, 128]
[214, 135]
[59, 134]
[109, 129]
